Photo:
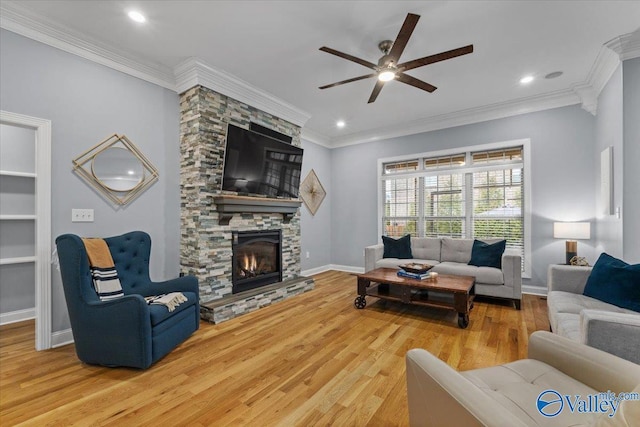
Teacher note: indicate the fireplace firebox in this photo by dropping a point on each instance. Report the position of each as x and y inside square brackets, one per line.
[257, 259]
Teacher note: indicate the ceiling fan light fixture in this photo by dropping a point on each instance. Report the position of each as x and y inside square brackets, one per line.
[386, 75]
[389, 67]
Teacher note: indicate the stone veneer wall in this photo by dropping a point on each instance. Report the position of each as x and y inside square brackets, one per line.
[205, 248]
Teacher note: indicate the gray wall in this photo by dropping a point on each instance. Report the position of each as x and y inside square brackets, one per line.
[608, 228]
[87, 102]
[617, 126]
[316, 229]
[562, 150]
[631, 187]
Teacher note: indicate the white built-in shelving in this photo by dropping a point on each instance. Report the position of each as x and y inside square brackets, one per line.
[18, 218]
[25, 216]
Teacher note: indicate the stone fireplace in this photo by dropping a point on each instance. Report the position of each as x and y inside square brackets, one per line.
[211, 218]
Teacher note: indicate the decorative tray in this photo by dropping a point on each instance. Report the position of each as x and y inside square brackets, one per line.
[417, 268]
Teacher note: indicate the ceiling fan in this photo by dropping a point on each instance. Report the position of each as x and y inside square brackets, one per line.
[389, 68]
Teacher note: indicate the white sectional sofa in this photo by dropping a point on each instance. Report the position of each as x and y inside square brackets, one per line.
[587, 320]
[450, 256]
[506, 395]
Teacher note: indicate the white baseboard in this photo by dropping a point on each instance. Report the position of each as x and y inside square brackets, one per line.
[60, 338]
[329, 267]
[17, 316]
[534, 290]
[346, 268]
[316, 270]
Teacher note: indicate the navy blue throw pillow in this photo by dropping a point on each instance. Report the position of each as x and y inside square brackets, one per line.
[487, 254]
[614, 281]
[397, 248]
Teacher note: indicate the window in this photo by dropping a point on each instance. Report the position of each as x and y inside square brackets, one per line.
[401, 207]
[467, 194]
[444, 207]
[498, 196]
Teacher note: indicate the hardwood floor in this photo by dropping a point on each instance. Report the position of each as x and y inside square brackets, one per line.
[311, 360]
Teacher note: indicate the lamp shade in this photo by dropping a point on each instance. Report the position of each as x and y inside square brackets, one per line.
[572, 230]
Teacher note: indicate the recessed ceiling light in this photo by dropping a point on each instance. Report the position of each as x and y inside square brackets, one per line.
[553, 75]
[340, 123]
[526, 79]
[136, 16]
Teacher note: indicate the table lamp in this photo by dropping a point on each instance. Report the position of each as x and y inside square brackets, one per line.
[571, 231]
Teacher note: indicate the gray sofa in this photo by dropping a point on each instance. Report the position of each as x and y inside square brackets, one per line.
[506, 395]
[588, 320]
[450, 256]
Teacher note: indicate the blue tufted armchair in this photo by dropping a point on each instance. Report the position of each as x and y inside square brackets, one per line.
[124, 331]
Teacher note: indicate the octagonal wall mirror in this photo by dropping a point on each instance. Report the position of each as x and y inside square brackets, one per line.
[116, 168]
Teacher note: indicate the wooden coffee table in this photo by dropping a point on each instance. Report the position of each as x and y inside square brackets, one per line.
[445, 291]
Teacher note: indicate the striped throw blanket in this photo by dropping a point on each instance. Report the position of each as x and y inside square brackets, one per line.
[103, 270]
[170, 300]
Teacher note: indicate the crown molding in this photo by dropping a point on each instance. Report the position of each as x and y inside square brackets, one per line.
[19, 20]
[601, 71]
[193, 72]
[463, 117]
[316, 137]
[627, 46]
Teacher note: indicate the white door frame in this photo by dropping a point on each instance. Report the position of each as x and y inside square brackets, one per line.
[42, 129]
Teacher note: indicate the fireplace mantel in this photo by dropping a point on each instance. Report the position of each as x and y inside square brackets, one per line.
[229, 205]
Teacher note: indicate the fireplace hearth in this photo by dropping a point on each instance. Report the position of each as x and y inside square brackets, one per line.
[256, 260]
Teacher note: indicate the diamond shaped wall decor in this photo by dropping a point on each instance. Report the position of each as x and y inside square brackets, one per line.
[312, 192]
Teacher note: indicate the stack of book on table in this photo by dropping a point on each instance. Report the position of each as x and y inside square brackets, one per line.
[417, 276]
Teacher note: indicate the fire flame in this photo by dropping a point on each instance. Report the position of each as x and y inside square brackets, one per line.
[250, 263]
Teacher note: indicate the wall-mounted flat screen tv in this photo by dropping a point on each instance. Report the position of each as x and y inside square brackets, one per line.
[259, 164]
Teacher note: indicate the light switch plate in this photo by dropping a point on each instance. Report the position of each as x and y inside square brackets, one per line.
[81, 215]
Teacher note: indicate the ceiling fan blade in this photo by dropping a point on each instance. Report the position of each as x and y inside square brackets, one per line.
[409, 25]
[412, 81]
[376, 91]
[435, 58]
[348, 57]
[355, 79]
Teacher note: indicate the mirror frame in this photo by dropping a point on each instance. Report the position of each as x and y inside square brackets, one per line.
[82, 167]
